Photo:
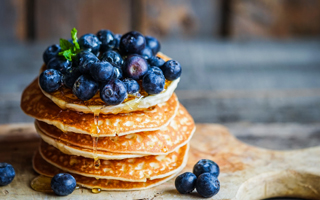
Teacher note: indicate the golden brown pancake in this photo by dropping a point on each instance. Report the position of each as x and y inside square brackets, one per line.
[133, 169]
[44, 168]
[162, 141]
[36, 105]
[65, 99]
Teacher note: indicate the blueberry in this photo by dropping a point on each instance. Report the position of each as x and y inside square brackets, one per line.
[132, 42]
[113, 57]
[59, 63]
[205, 165]
[50, 52]
[186, 182]
[71, 75]
[153, 82]
[114, 92]
[171, 70]
[84, 60]
[153, 44]
[7, 174]
[131, 85]
[50, 80]
[146, 53]
[135, 67]
[207, 185]
[156, 61]
[107, 40]
[117, 73]
[89, 42]
[101, 71]
[63, 184]
[85, 87]
[117, 38]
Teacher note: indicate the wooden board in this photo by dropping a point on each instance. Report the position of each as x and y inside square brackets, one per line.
[247, 172]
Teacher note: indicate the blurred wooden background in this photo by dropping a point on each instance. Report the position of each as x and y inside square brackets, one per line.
[25, 20]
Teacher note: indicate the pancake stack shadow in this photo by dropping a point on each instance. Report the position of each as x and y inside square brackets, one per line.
[136, 145]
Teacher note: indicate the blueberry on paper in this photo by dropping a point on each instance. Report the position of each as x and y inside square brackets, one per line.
[205, 165]
[135, 67]
[114, 92]
[101, 71]
[85, 87]
[132, 43]
[50, 80]
[7, 174]
[171, 70]
[59, 63]
[153, 44]
[50, 52]
[63, 184]
[186, 182]
[153, 82]
[207, 185]
[107, 40]
[131, 85]
[89, 42]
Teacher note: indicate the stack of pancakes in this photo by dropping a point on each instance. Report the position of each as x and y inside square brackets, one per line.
[138, 144]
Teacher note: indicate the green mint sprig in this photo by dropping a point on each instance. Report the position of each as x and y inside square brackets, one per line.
[69, 50]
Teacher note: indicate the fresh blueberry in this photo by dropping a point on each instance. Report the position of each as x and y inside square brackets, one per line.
[113, 57]
[132, 85]
[50, 52]
[117, 73]
[117, 38]
[71, 75]
[132, 42]
[101, 71]
[7, 174]
[84, 60]
[153, 82]
[171, 70]
[63, 184]
[153, 44]
[186, 182]
[114, 92]
[89, 42]
[135, 67]
[207, 185]
[146, 53]
[59, 63]
[107, 40]
[50, 80]
[85, 87]
[156, 61]
[205, 165]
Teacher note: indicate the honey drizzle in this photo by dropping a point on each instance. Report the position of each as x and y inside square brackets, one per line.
[41, 184]
[96, 190]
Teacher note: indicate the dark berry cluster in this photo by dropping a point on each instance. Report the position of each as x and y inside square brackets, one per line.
[108, 62]
[204, 178]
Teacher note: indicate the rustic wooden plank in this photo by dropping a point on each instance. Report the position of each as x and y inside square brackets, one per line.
[270, 173]
[281, 19]
[55, 19]
[13, 23]
[177, 18]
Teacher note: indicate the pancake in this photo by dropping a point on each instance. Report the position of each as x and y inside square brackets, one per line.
[44, 168]
[159, 142]
[132, 170]
[36, 105]
[65, 99]
[87, 153]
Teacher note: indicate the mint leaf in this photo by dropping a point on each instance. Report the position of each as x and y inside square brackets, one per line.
[65, 44]
[75, 38]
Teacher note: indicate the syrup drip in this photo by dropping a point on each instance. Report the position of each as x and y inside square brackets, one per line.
[41, 184]
[96, 190]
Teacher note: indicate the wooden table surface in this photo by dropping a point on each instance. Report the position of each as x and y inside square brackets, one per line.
[19, 141]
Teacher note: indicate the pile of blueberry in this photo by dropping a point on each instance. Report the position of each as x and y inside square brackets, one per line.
[204, 178]
[114, 64]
